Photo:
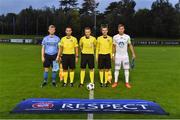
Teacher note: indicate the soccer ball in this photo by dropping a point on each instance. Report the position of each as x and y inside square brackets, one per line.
[90, 86]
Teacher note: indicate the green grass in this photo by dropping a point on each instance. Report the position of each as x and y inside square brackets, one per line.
[156, 78]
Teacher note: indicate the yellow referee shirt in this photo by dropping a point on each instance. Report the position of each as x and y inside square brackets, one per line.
[104, 45]
[68, 44]
[87, 45]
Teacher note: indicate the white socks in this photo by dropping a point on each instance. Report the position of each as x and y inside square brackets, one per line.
[126, 73]
[116, 75]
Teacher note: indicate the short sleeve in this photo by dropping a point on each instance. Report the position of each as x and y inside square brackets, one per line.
[114, 40]
[43, 41]
[95, 42]
[59, 39]
[61, 43]
[111, 40]
[129, 40]
[80, 42]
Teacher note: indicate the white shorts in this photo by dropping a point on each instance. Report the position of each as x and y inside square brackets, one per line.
[121, 60]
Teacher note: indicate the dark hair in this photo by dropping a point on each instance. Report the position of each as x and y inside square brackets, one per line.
[87, 28]
[69, 27]
[120, 25]
[104, 26]
[51, 26]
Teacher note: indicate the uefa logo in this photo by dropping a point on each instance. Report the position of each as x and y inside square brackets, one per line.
[43, 105]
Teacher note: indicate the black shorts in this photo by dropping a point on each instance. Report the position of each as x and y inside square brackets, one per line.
[49, 60]
[68, 61]
[104, 61]
[87, 59]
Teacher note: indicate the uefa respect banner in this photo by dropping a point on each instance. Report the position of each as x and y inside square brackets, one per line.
[88, 106]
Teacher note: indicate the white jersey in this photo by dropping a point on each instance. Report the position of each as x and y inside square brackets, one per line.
[121, 42]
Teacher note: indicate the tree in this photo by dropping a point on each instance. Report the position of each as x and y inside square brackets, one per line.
[142, 23]
[121, 12]
[88, 7]
[164, 23]
[66, 5]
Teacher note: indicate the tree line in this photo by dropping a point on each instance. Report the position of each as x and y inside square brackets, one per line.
[162, 20]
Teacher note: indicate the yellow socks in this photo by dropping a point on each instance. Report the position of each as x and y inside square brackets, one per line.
[65, 73]
[101, 76]
[106, 76]
[71, 76]
[91, 74]
[82, 76]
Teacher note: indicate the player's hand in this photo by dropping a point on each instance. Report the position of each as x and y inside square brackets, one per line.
[60, 59]
[76, 59]
[133, 56]
[43, 59]
[57, 58]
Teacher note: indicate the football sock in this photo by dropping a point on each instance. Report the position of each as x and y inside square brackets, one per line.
[45, 76]
[106, 76]
[65, 73]
[91, 74]
[82, 76]
[116, 75]
[126, 73]
[101, 76]
[71, 76]
[53, 76]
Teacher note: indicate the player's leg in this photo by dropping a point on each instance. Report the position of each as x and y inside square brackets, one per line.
[126, 71]
[117, 69]
[72, 67]
[83, 69]
[45, 76]
[53, 57]
[91, 67]
[101, 70]
[65, 69]
[107, 68]
[46, 66]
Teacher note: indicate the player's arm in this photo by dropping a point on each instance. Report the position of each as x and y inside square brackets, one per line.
[113, 49]
[58, 55]
[43, 53]
[76, 50]
[80, 44]
[43, 50]
[97, 49]
[131, 49]
[60, 49]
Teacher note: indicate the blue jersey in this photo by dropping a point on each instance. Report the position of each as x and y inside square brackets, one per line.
[51, 44]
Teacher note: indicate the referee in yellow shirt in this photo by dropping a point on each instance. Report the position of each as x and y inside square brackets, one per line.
[104, 55]
[69, 52]
[87, 45]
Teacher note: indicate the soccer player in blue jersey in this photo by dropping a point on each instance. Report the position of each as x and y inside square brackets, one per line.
[49, 54]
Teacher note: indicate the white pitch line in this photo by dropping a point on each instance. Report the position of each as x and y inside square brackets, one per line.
[91, 96]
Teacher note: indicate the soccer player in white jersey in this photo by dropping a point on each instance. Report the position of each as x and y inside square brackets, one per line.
[121, 42]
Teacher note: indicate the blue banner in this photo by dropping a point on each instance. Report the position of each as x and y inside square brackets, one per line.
[44, 105]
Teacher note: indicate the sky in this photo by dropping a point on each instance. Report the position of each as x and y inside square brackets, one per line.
[15, 6]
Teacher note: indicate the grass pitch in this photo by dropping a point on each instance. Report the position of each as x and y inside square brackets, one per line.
[156, 78]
